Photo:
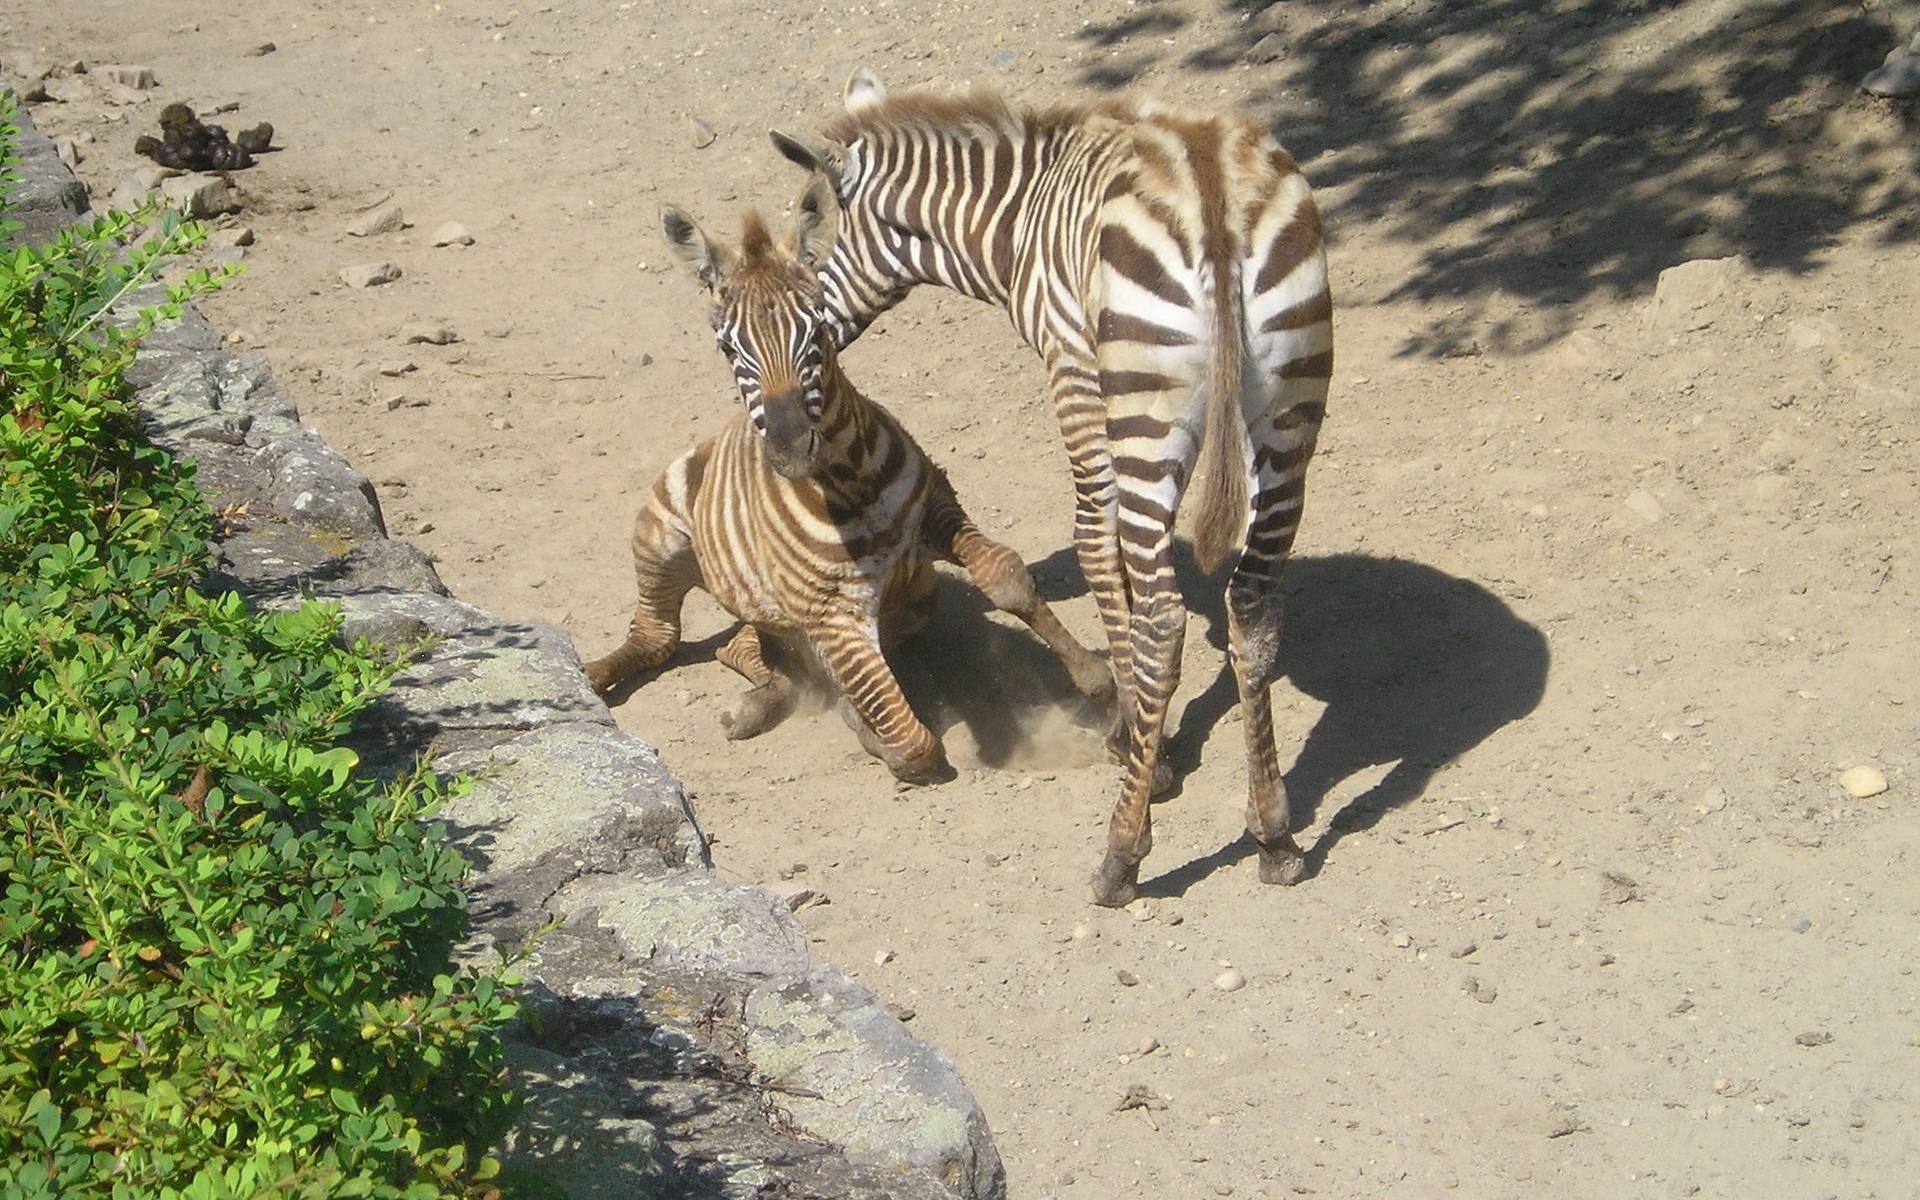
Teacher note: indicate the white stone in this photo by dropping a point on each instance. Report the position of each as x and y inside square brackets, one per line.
[453, 233]
[1230, 980]
[364, 275]
[1863, 781]
[384, 219]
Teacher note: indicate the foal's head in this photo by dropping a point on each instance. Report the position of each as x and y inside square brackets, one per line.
[768, 317]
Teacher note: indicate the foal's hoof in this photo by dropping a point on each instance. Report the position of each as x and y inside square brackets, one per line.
[935, 770]
[756, 711]
[1282, 863]
[1115, 883]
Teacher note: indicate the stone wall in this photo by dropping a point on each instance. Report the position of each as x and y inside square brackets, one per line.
[677, 1040]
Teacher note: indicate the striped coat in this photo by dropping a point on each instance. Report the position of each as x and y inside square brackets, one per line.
[813, 516]
[1167, 266]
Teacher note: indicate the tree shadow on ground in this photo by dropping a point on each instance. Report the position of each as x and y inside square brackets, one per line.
[1554, 152]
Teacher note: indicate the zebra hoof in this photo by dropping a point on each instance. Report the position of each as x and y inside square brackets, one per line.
[923, 774]
[1116, 883]
[755, 712]
[1282, 863]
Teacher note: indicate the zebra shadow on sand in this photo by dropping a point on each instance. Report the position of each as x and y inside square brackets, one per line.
[1415, 667]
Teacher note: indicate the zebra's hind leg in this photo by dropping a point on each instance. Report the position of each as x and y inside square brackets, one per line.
[850, 650]
[772, 697]
[665, 569]
[1254, 623]
[1157, 635]
[1004, 579]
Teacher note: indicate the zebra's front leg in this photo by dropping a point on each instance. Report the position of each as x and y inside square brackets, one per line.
[887, 726]
[665, 570]
[773, 695]
[1004, 579]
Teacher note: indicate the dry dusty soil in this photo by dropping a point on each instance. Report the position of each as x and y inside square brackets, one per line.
[1597, 597]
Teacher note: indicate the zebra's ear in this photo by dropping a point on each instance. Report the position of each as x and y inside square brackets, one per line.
[864, 90]
[688, 243]
[816, 222]
[812, 154]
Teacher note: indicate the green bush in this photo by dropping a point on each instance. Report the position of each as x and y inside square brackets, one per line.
[225, 958]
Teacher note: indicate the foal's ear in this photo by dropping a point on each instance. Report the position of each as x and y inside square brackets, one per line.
[864, 90]
[687, 242]
[816, 222]
[812, 154]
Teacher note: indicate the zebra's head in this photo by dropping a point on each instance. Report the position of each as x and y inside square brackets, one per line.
[875, 263]
[769, 318]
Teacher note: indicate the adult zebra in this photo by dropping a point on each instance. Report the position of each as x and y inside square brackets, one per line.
[1168, 268]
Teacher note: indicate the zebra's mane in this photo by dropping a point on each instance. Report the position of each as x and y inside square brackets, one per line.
[756, 240]
[930, 111]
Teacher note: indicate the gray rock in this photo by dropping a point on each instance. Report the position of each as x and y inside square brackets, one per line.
[1898, 77]
[1692, 295]
[124, 74]
[884, 1095]
[262, 50]
[694, 922]
[47, 198]
[200, 195]
[703, 134]
[1002, 60]
[595, 797]
[576, 1134]
[431, 332]
[239, 235]
[1270, 48]
[366, 275]
[68, 153]
[385, 218]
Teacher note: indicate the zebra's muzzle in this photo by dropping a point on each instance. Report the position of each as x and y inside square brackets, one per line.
[791, 440]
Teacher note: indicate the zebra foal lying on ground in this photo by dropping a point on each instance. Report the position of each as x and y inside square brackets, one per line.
[813, 517]
[1168, 268]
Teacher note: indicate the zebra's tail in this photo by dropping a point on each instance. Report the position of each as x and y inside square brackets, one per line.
[1220, 475]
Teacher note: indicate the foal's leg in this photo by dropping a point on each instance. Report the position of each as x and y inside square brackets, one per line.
[998, 572]
[666, 570]
[771, 698]
[849, 648]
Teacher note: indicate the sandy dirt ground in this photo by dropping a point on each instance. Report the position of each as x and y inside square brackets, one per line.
[1597, 597]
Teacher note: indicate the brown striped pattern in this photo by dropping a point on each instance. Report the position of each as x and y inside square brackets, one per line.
[821, 549]
[1168, 267]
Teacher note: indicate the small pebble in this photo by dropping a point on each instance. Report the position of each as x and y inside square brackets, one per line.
[430, 332]
[1863, 781]
[1230, 980]
[901, 1012]
[1148, 1045]
[1127, 978]
[1813, 1037]
[365, 275]
[703, 134]
[1715, 800]
[384, 219]
[262, 50]
[453, 233]
[1081, 933]
[1463, 951]
[1403, 939]
[882, 957]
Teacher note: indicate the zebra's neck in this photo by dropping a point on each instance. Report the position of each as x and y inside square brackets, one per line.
[850, 439]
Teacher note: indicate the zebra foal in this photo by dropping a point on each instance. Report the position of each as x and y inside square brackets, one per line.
[813, 516]
[1168, 268]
